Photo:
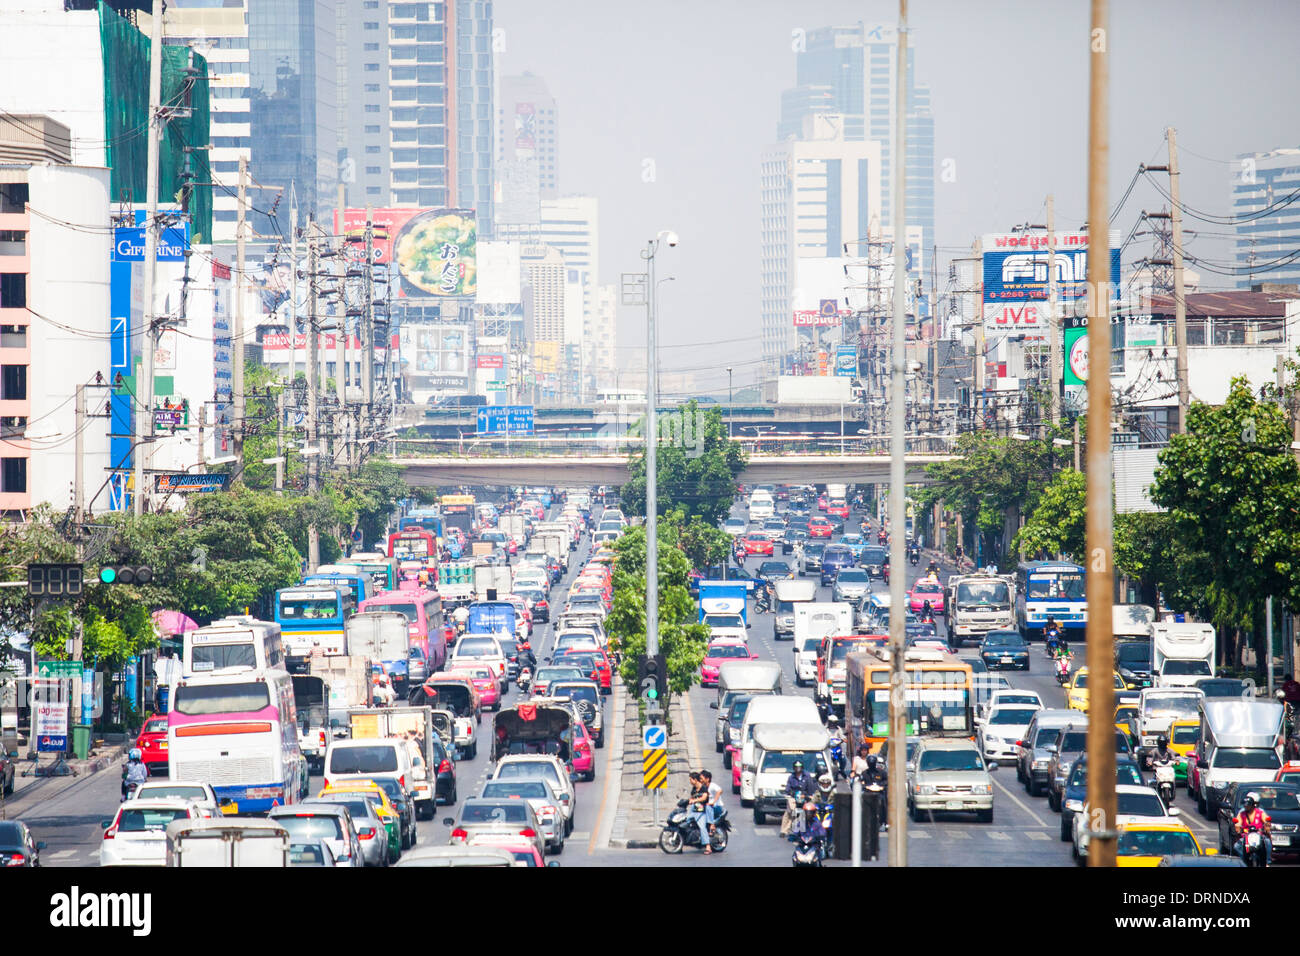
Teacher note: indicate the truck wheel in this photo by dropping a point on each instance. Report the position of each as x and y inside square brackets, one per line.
[759, 816]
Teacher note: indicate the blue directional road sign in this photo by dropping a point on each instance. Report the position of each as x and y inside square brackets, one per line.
[505, 420]
[654, 737]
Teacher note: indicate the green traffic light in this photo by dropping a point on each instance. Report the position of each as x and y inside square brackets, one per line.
[107, 575]
[652, 693]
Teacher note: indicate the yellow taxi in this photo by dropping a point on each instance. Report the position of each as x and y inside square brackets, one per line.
[1183, 735]
[383, 807]
[1126, 720]
[1076, 692]
[1145, 844]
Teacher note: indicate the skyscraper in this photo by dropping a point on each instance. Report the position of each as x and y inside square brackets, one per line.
[527, 127]
[1264, 249]
[472, 94]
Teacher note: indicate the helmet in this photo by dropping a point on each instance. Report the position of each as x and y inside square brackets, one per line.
[872, 760]
[798, 765]
[1252, 797]
[1162, 742]
[825, 781]
[135, 753]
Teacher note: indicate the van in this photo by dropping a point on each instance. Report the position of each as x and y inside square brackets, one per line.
[372, 757]
[789, 593]
[1240, 742]
[742, 677]
[1034, 751]
[776, 747]
[769, 708]
[761, 506]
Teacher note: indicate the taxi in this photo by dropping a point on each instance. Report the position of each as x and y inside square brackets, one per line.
[1126, 720]
[1146, 844]
[152, 744]
[838, 508]
[1076, 692]
[927, 589]
[383, 806]
[757, 542]
[1183, 735]
[819, 527]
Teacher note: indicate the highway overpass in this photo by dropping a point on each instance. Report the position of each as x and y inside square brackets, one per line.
[612, 469]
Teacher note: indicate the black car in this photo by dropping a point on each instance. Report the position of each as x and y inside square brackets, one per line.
[1281, 801]
[1075, 793]
[834, 557]
[446, 770]
[1001, 649]
[1133, 662]
[1226, 687]
[17, 848]
[872, 560]
[773, 571]
[793, 535]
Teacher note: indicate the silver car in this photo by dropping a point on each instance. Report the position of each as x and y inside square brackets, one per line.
[371, 831]
[329, 823]
[950, 775]
[851, 585]
[496, 822]
[545, 803]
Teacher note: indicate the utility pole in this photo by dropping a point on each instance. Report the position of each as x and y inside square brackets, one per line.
[1099, 584]
[279, 440]
[144, 398]
[368, 323]
[1054, 343]
[293, 284]
[977, 400]
[1180, 299]
[237, 338]
[897, 770]
[79, 454]
[651, 467]
[203, 422]
[313, 385]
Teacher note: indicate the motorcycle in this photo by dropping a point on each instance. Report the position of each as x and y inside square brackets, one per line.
[1164, 782]
[1053, 641]
[682, 831]
[811, 845]
[524, 679]
[1062, 668]
[915, 558]
[1252, 850]
[837, 745]
[762, 601]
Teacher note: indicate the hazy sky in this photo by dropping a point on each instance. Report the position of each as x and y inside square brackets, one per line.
[694, 89]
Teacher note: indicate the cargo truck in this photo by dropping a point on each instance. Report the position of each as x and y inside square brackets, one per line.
[382, 636]
[411, 722]
[227, 843]
[489, 578]
[1182, 653]
[311, 701]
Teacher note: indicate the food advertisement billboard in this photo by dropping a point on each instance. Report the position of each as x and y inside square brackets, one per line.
[435, 250]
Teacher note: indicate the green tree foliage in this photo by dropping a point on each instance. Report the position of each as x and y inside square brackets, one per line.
[1057, 526]
[703, 544]
[697, 466]
[682, 639]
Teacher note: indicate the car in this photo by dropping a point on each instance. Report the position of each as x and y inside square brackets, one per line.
[1033, 753]
[1147, 843]
[822, 503]
[757, 542]
[317, 853]
[718, 652]
[851, 585]
[819, 527]
[152, 744]
[17, 845]
[543, 676]
[1069, 744]
[1289, 772]
[774, 524]
[384, 809]
[542, 798]
[492, 822]
[589, 702]
[1281, 801]
[458, 856]
[484, 679]
[546, 767]
[1001, 649]
[1183, 735]
[197, 792]
[1076, 691]
[1009, 697]
[795, 535]
[734, 526]
[328, 823]
[950, 775]
[726, 625]
[1075, 792]
[582, 752]
[601, 668]
[805, 662]
[1134, 804]
[403, 804]
[855, 543]
[872, 559]
[137, 833]
[838, 509]
[998, 734]
[8, 773]
[1242, 688]
[810, 555]
[538, 605]
[774, 571]
[926, 590]
[371, 830]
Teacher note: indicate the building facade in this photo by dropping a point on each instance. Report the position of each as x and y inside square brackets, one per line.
[1264, 248]
[528, 128]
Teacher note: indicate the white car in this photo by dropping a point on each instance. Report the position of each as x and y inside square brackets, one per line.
[805, 662]
[726, 626]
[200, 794]
[137, 834]
[479, 649]
[734, 526]
[1006, 698]
[543, 767]
[998, 735]
[1132, 805]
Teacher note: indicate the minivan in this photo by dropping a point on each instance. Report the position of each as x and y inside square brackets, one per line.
[368, 757]
[1033, 753]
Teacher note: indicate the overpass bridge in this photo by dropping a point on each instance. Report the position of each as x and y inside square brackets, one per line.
[597, 469]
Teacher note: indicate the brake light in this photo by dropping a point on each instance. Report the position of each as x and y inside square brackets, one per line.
[459, 834]
[322, 738]
[366, 833]
[111, 832]
[16, 860]
[528, 832]
[445, 766]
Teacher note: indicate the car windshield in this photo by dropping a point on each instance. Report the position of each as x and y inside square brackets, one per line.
[156, 725]
[1185, 734]
[949, 761]
[363, 758]
[736, 716]
[1046, 736]
[727, 650]
[1156, 843]
[1181, 668]
[810, 645]
[206, 700]
[528, 769]
[1004, 639]
[983, 592]
[585, 692]
[528, 789]
[1171, 705]
[304, 828]
[723, 620]
[1073, 740]
[1139, 805]
[1056, 587]
[814, 762]
[1266, 759]
[1011, 716]
[853, 576]
[558, 673]
[503, 812]
[1134, 653]
[139, 820]
[1125, 774]
[774, 567]
[838, 553]
[925, 588]
[1275, 798]
[811, 550]
[159, 791]
[1004, 700]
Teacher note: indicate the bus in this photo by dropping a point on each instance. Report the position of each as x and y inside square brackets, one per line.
[235, 642]
[939, 698]
[360, 585]
[379, 568]
[427, 626]
[422, 519]
[1050, 589]
[311, 617]
[457, 512]
[239, 733]
[414, 544]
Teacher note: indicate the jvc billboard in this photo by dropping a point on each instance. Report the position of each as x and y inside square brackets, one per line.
[1016, 279]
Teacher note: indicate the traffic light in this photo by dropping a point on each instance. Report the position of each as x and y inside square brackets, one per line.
[652, 677]
[53, 580]
[125, 574]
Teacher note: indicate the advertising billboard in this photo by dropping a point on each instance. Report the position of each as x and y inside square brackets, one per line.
[846, 360]
[518, 192]
[436, 357]
[1016, 279]
[525, 126]
[434, 250]
[818, 296]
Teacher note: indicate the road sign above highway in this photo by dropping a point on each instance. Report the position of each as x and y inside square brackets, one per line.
[654, 737]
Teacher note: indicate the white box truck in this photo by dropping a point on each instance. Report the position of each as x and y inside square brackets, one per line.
[495, 578]
[1182, 653]
[400, 721]
[816, 619]
[227, 843]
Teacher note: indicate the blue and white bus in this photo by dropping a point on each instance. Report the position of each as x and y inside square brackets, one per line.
[1050, 589]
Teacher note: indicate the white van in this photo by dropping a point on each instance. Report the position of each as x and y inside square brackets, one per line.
[761, 506]
[769, 709]
[776, 748]
[357, 758]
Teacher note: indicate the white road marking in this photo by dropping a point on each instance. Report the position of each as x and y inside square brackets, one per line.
[1018, 802]
[1036, 835]
[919, 835]
[998, 835]
[956, 834]
[59, 855]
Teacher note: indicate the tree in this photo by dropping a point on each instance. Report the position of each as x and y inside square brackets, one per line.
[697, 466]
[703, 544]
[1058, 525]
[682, 640]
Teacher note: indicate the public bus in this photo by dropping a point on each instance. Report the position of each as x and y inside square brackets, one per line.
[940, 702]
[239, 733]
[1050, 589]
[360, 585]
[235, 642]
[381, 569]
[427, 625]
[457, 512]
[310, 617]
[423, 519]
[413, 545]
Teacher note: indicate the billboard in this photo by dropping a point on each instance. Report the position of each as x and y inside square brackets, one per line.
[846, 360]
[434, 250]
[1016, 279]
[525, 126]
[499, 273]
[518, 192]
[275, 347]
[818, 296]
[436, 356]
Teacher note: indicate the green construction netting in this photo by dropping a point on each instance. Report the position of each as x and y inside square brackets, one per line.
[126, 104]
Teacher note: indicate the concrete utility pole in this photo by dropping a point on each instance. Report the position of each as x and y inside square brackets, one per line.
[293, 284]
[1053, 321]
[368, 326]
[237, 338]
[897, 770]
[977, 399]
[79, 454]
[1180, 299]
[279, 440]
[313, 386]
[144, 388]
[1100, 582]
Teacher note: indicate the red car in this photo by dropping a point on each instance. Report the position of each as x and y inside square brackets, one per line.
[819, 527]
[152, 743]
[718, 653]
[603, 673]
[926, 590]
[838, 509]
[822, 503]
[756, 544]
[583, 757]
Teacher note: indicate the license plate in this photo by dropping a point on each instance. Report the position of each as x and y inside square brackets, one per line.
[1280, 839]
[162, 745]
[1007, 660]
[954, 804]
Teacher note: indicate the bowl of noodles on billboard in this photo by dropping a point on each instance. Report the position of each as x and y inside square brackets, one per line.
[435, 253]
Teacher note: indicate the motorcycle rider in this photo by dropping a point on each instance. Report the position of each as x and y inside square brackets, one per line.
[135, 772]
[1052, 634]
[697, 804]
[927, 613]
[1291, 691]
[713, 802]
[1251, 818]
[1162, 756]
[868, 768]
[798, 782]
[933, 568]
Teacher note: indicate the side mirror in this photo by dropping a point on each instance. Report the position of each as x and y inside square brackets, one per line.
[1175, 812]
[105, 824]
[40, 844]
[1202, 764]
[552, 863]
[1211, 851]
[991, 766]
[713, 705]
[449, 821]
[1051, 748]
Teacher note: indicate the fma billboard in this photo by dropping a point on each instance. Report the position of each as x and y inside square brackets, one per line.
[1016, 279]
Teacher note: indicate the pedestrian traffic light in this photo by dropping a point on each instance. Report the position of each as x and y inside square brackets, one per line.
[53, 580]
[652, 677]
[125, 574]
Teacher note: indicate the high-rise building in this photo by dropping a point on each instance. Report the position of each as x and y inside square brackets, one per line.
[292, 91]
[1264, 249]
[527, 128]
[819, 193]
[602, 338]
[853, 71]
[472, 92]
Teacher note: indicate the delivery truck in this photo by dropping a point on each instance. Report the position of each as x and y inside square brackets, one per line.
[1182, 653]
[227, 843]
[311, 701]
[382, 636]
[415, 723]
[490, 578]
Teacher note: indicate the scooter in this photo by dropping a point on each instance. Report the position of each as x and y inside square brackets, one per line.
[1164, 782]
[1252, 850]
[914, 557]
[811, 845]
[681, 831]
[524, 679]
[836, 744]
[1062, 668]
